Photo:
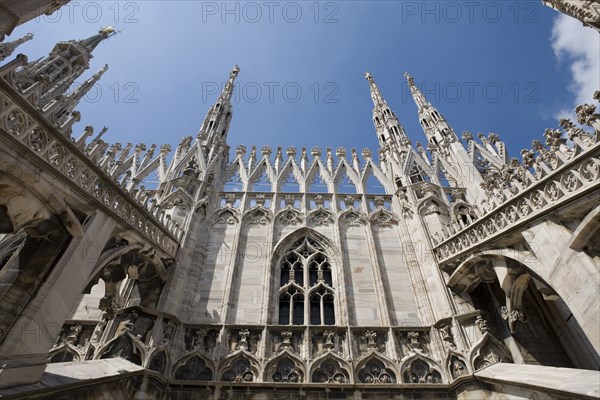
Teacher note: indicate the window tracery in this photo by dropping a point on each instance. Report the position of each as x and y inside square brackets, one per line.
[306, 274]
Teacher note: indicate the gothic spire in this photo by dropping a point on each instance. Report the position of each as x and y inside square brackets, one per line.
[216, 123]
[93, 41]
[81, 91]
[6, 49]
[225, 96]
[375, 92]
[389, 130]
[436, 128]
[51, 76]
[418, 97]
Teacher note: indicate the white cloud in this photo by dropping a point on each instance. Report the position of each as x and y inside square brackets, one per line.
[579, 46]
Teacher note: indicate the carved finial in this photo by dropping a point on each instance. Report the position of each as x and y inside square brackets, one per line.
[467, 136]
[266, 151]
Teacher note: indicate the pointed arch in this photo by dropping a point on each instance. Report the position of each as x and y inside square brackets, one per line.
[320, 217]
[352, 217]
[194, 367]
[64, 353]
[345, 180]
[330, 369]
[124, 346]
[488, 351]
[374, 368]
[456, 365]
[285, 368]
[261, 179]
[382, 217]
[419, 368]
[432, 205]
[323, 241]
[289, 216]
[288, 181]
[233, 181]
[177, 198]
[239, 367]
[227, 215]
[317, 180]
[373, 181]
[159, 361]
[304, 263]
[258, 215]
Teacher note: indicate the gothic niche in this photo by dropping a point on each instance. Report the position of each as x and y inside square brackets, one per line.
[239, 370]
[457, 367]
[330, 371]
[123, 347]
[286, 371]
[420, 372]
[195, 369]
[488, 355]
[158, 362]
[320, 217]
[375, 371]
[200, 339]
[64, 355]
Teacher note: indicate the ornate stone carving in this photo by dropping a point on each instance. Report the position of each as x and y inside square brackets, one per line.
[286, 371]
[457, 368]
[371, 338]
[195, 369]
[420, 371]
[240, 370]
[447, 337]
[513, 316]
[330, 371]
[320, 217]
[375, 371]
[482, 324]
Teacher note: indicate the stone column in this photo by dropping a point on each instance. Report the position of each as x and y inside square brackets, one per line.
[24, 352]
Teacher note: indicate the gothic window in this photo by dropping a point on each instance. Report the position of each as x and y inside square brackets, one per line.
[416, 175]
[306, 275]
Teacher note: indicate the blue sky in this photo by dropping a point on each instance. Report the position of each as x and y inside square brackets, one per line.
[507, 67]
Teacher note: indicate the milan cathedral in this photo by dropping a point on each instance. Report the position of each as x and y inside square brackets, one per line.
[443, 270]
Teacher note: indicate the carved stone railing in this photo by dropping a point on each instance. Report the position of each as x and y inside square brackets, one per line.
[26, 129]
[550, 175]
[568, 182]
